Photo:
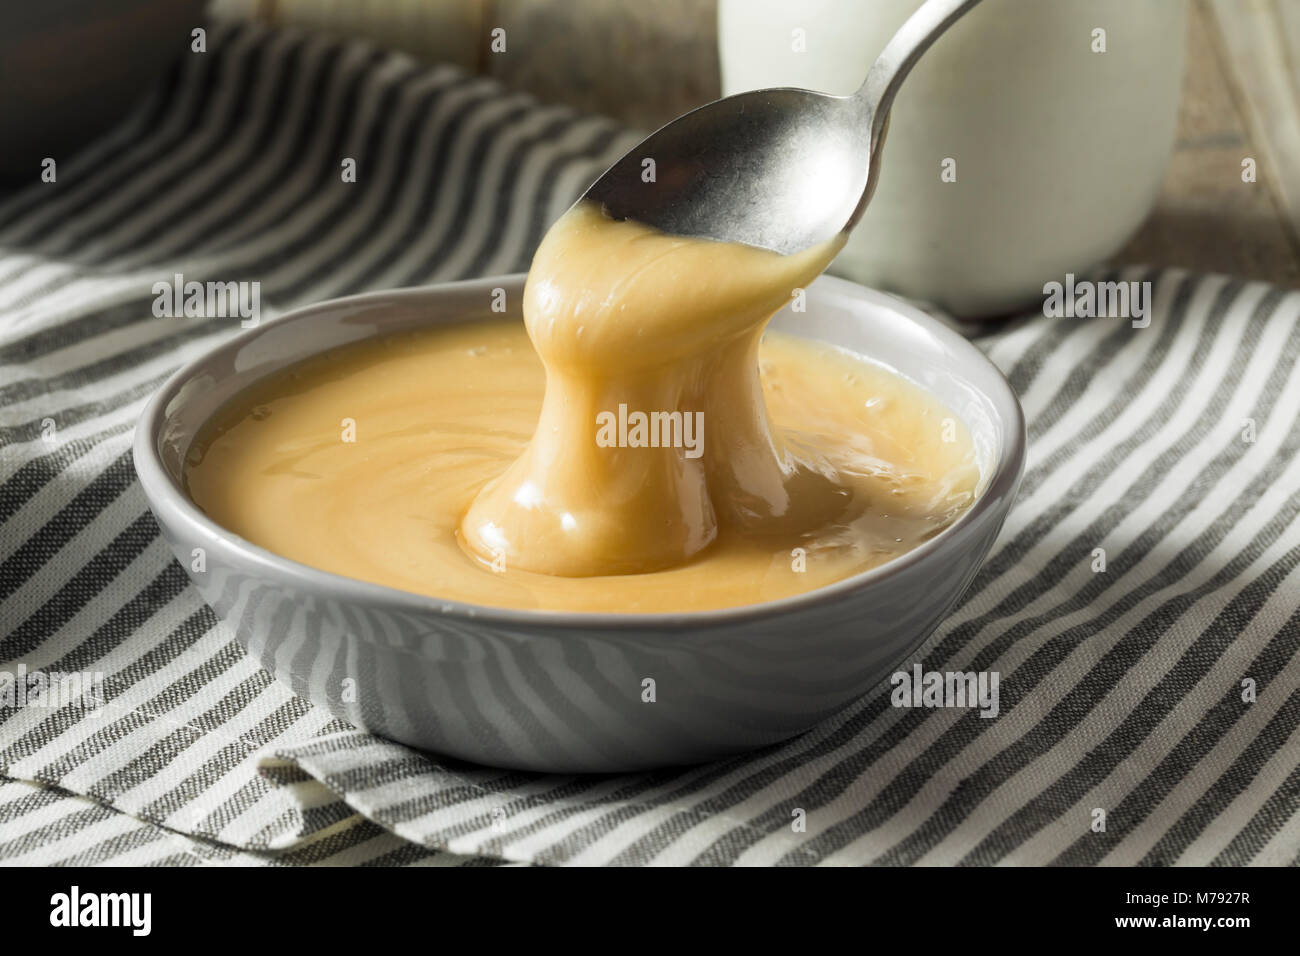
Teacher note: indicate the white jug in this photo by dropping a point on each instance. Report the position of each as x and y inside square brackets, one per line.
[1030, 142]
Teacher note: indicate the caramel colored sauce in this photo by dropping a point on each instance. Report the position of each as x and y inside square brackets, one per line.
[637, 445]
[443, 412]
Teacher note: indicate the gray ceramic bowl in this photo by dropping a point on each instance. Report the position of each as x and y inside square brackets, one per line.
[556, 691]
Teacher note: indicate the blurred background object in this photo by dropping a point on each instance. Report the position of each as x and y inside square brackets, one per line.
[69, 69]
[440, 31]
[1241, 100]
[640, 62]
[645, 63]
[1031, 141]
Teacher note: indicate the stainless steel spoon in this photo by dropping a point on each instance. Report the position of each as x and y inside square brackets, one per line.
[782, 169]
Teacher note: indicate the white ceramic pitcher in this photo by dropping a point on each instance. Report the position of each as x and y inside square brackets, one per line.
[1029, 143]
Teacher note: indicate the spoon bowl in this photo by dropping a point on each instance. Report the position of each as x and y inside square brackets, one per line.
[772, 168]
[782, 169]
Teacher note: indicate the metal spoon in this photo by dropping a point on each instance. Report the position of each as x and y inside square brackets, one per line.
[782, 169]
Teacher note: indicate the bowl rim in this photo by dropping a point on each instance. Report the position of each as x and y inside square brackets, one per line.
[174, 508]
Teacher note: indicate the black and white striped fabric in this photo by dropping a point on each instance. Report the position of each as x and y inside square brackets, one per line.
[1128, 690]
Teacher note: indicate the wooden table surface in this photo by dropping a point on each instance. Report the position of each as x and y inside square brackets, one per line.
[1241, 100]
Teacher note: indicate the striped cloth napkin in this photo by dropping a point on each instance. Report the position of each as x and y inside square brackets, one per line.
[1162, 692]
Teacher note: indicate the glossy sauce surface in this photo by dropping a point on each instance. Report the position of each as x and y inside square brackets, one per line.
[505, 464]
[441, 413]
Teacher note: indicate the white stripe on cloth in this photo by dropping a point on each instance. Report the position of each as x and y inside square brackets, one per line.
[69, 829]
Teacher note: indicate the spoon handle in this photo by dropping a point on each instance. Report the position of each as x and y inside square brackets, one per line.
[922, 28]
